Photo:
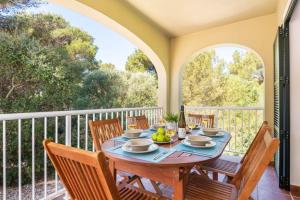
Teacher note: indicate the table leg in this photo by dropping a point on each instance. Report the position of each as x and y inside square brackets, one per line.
[113, 169]
[180, 183]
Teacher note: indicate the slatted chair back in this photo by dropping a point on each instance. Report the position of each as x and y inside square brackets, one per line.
[84, 174]
[141, 122]
[205, 120]
[103, 130]
[256, 140]
[251, 171]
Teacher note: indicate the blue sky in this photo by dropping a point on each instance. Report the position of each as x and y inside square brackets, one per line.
[112, 47]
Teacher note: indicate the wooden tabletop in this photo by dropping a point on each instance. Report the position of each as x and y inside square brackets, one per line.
[178, 158]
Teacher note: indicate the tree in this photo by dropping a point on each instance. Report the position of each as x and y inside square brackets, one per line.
[139, 62]
[209, 81]
[107, 66]
[141, 91]
[101, 89]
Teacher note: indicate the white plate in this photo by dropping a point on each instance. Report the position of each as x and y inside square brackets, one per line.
[141, 136]
[208, 145]
[219, 134]
[152, 147]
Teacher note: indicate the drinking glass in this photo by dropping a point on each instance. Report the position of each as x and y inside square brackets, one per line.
[192, 123]
[131, 123]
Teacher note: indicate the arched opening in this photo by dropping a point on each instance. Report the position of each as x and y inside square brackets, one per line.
[234, 64]
[227, 82]
[112, 24]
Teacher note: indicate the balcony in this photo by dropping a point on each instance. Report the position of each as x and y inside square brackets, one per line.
[171, 34]
[71, 128]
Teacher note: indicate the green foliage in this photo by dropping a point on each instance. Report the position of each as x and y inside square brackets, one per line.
[170, 117]
[141, 90]
[48, 65]
[208, 81]
[139, 62]
[101, 89]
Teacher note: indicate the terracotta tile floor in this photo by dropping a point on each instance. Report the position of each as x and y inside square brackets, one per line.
[267, 188]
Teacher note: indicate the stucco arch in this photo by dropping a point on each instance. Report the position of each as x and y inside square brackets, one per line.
[205, 49]
[156, 52]
[257, 34]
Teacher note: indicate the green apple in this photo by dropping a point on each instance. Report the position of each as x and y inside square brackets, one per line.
[161, 131]
[160, 138]
[154, 136]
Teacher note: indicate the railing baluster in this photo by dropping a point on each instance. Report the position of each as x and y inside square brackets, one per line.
[78, 131]
[122, 118]
[4, 157]
[93, 146]
[229, 128]
[249, 128]
[243, 130]
[126, 120]
[45, 160]
[86, 131]
[255, 120]
[19, 159]
[68, 130]
[235, 133]
[33, 157]
[56, 140]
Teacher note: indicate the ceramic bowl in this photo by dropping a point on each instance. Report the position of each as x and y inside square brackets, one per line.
[198, 140]
[133, 133]
[139, 144]
[211, 131]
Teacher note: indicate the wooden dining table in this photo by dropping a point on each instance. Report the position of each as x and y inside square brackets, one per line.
[172, 170]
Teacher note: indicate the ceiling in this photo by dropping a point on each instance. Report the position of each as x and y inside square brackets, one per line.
[180, 17]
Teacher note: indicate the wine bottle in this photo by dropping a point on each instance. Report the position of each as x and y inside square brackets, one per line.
[181, 124]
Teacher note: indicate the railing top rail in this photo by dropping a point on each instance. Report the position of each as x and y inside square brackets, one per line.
[14, 116]
[222, 108]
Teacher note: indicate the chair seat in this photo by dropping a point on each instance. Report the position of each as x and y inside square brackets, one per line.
[130, 192]
[228, 165]
[202, 188]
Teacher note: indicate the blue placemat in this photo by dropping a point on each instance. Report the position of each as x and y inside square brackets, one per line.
[155, 156]
[207, 152]
[223, 138]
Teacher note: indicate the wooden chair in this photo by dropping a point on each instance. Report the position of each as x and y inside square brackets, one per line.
[141, 122]
[229, 165]
[206, 120]
[86, 175]
[103, 130]
[244, 182]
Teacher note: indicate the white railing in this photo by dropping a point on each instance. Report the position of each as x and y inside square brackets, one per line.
[242, 122]
[23, 156]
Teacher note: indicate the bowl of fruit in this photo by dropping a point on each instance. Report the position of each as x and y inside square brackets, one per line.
[161, 137]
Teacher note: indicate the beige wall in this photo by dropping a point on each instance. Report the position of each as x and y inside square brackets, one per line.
[154, 42]
[256, 33]
[281, 10]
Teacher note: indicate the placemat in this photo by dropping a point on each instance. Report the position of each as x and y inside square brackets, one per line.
[207, 152]
[155, 156]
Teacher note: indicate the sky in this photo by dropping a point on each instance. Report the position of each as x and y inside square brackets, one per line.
[112, 47]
